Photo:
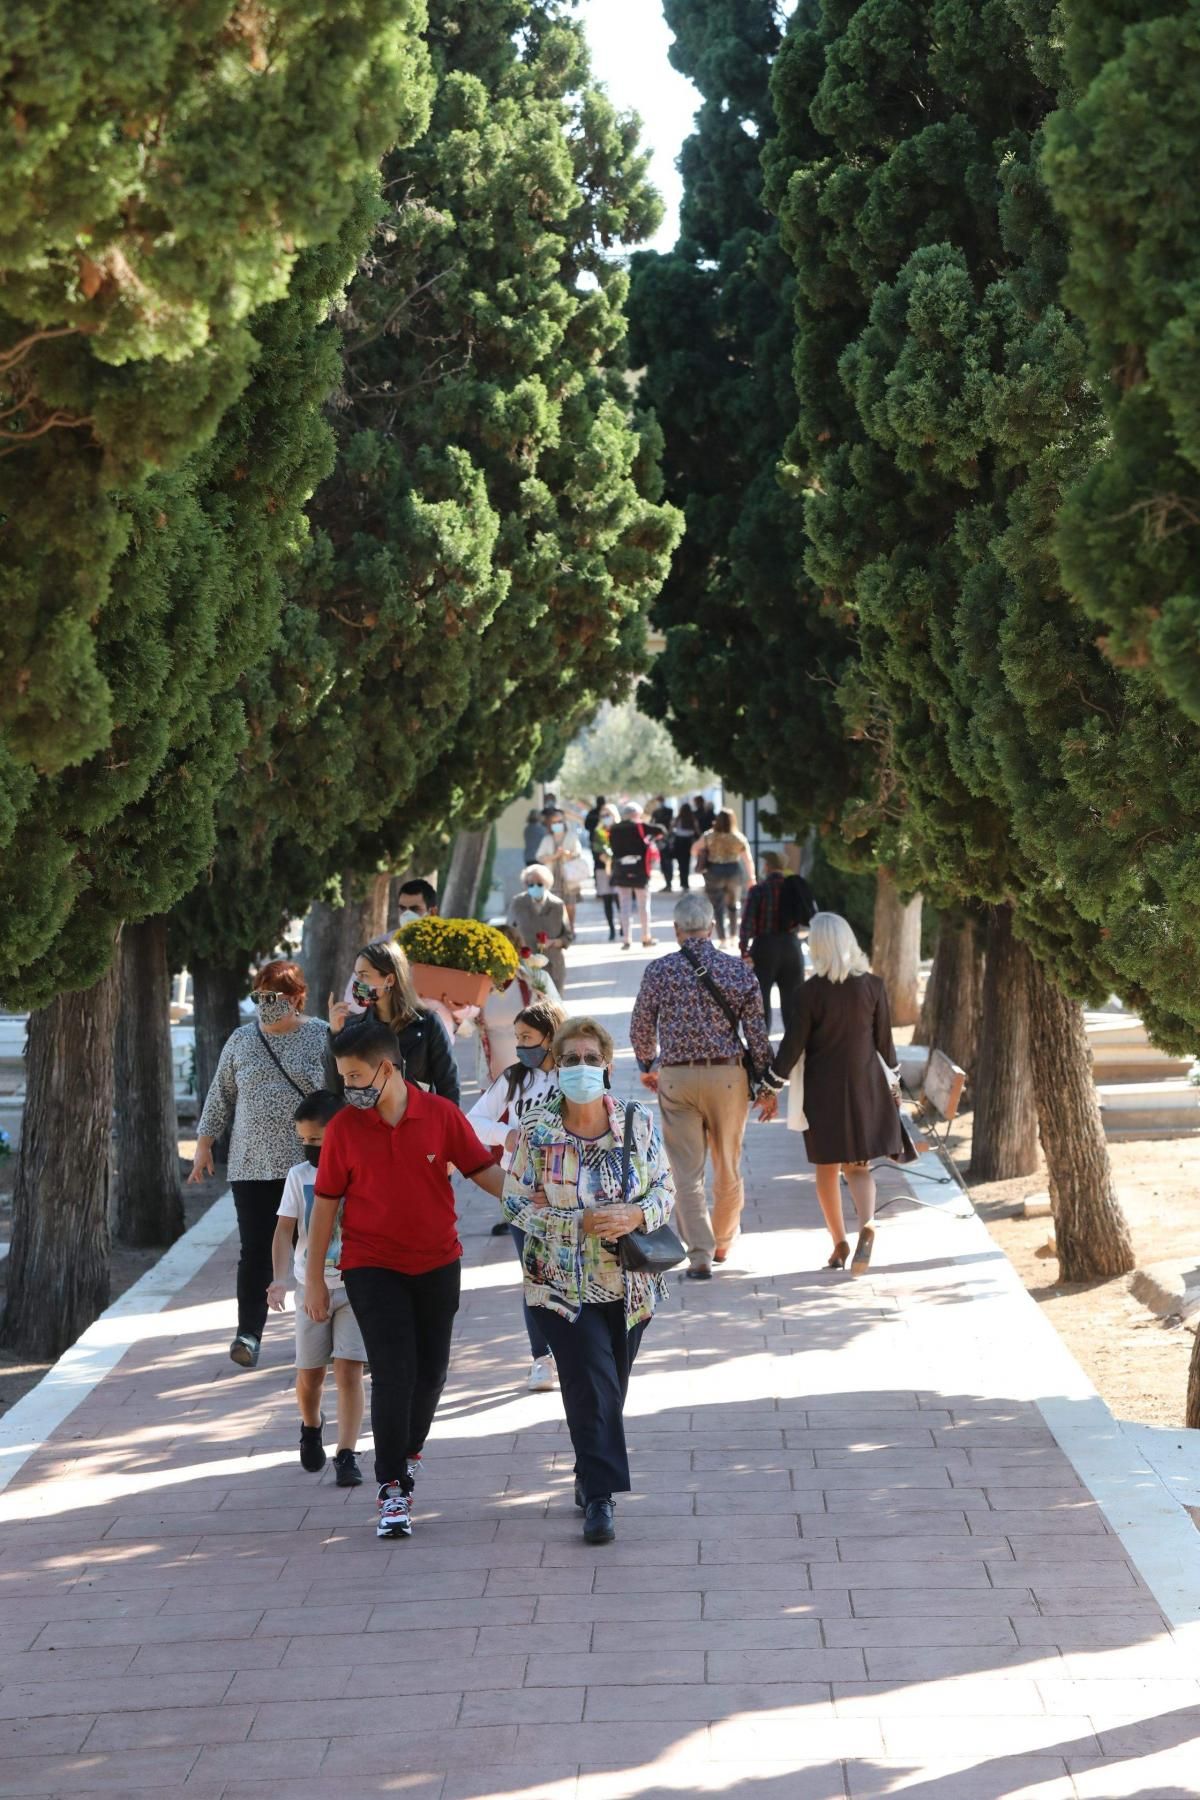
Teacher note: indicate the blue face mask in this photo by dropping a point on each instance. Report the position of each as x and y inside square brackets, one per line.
[532, 1055]
[535, 890]
[582, 1083]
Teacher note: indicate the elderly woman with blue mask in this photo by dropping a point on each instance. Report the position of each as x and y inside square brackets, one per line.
[539, 918]
[567, 1191]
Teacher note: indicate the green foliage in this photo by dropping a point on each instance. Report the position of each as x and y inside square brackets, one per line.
[623, 752]
[1121, 164]
[944, 410]
[487, 545]
[747, 680]
[163, 357]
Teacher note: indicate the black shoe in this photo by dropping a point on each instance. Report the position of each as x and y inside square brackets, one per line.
[500, 1228]
[346, 1470]
[698, 1272]
[244, 1350]
[580, 1496]
[598, 1523]
[312, 1450]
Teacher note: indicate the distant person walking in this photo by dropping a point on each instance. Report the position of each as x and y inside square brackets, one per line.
[265, 1067]
[777, 909]
[683, 843]
[535, 831]
[695, 1012]
[539, 918]
[724, 858]
[704, 814]
[560, 852]
[843, 1029]
[630, 840]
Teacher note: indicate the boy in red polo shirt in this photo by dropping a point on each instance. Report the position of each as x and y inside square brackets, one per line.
[383, 1162]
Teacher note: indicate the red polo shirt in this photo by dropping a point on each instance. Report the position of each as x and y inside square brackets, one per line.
[398, 1210]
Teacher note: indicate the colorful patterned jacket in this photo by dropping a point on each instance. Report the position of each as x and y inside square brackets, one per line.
[561, 1261]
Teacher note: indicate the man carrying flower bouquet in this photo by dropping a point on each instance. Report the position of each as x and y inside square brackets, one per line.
[539, 918]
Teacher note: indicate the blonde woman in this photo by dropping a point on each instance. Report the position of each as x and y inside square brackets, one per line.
[723, 857]
[842, 1027]
[381, 988]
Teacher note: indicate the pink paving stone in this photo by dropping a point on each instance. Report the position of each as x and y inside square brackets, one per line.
[916, 1552]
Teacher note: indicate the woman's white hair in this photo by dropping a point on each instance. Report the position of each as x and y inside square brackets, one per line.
[538, 872]
[834, 949]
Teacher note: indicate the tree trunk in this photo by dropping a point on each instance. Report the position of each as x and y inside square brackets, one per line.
[58, 1267]
[954, 996]
[1004, 1142]
[1192, 1409]
[468, 854]
[333, 936]
[896, 947]
[1090, 1232]
[216, 992]
[147, 1198]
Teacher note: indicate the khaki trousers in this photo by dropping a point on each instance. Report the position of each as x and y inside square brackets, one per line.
[704, 1110]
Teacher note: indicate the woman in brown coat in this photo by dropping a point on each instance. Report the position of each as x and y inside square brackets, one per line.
[843, 1029]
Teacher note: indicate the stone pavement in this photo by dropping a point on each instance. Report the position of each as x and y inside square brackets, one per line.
[857, 1563]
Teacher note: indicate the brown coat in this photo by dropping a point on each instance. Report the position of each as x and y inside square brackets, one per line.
[842, 1029]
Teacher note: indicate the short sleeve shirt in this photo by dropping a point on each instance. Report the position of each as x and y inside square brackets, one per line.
[398, 1204]
[297, 1203]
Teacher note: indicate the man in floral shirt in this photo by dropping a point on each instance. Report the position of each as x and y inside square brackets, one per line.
[690, 1053]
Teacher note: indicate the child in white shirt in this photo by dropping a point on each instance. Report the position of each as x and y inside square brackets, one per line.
[336, 1338]
[496, 1119]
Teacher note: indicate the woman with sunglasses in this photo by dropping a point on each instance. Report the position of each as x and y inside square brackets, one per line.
[265, 1067]
[564, 1192]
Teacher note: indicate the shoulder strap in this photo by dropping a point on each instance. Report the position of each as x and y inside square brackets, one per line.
[265, 1042]
[627, 1148]
[712, 990]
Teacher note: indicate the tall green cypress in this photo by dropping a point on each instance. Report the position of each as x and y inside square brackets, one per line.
[1121, 162]
[169, 254]
[486, 548]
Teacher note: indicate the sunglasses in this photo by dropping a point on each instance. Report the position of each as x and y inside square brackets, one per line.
[269, 994]
[573, 1059]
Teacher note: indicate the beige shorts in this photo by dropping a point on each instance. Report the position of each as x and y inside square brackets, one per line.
[318, 1342]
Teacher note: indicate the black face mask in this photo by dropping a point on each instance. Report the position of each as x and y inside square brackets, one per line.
[312, 1154]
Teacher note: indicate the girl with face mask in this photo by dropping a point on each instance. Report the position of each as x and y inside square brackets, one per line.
[380, 987]
[496, 1118]
[265, 1067]
[568, 1191]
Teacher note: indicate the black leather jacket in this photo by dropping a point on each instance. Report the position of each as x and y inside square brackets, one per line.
[426, 1054]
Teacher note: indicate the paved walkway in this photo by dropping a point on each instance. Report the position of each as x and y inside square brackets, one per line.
[857, 1561]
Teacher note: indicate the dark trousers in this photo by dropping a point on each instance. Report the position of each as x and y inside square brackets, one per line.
[593, 1357]
[257, 1205]
[610, 912]
[538, 1347]
[406, 1323]
[683, 862]
[667, 858]
[778, 962]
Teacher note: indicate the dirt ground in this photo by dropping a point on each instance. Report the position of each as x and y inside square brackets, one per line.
[1137, 1362]
[17, 1375]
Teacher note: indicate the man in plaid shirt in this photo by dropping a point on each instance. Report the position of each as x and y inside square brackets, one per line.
[690, 1054]
[775, 910]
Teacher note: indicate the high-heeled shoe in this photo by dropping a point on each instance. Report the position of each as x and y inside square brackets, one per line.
[841, 1251]
[862, 1251]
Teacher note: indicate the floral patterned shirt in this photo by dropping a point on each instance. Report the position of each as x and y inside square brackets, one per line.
[565, 1267]
[673, 1012]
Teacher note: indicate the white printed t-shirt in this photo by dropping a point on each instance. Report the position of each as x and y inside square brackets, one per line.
[299, 1189]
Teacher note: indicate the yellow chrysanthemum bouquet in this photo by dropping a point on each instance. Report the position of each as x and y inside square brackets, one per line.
[465, 944]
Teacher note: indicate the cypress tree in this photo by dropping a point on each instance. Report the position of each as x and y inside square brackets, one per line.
[486, 547]
[169, 253]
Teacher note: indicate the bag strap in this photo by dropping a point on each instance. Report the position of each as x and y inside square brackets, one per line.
[262, 1038]
[627, 1150]
[714, 993]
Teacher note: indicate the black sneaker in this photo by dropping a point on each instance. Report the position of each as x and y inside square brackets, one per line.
[599, 1526]
[312, 1450]
[395, 1514]
[346, 1470]
[244, 1350]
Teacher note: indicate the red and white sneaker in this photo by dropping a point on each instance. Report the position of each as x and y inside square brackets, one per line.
[395, 1513]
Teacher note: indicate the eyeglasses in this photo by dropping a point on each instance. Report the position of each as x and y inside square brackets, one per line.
[573, 1059]
[257, 999]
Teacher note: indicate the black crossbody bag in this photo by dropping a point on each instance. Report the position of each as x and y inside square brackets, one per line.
[644, 1252]
[717, 997]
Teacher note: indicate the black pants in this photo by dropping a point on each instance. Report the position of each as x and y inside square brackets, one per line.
[667, 858]
[610, 912]
[406, 1323]
[778, 962]
[683, 862]
[593, 1357]
[257, 1205]
[538, 1347]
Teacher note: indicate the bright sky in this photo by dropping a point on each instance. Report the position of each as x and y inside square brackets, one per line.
[629, 41]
